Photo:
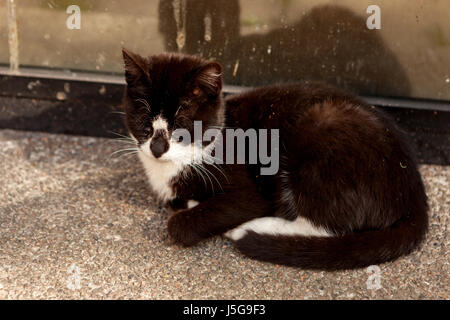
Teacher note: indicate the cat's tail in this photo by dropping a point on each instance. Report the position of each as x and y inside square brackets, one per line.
[297, 243]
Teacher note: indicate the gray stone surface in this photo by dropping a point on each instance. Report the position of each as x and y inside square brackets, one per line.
[68, 207]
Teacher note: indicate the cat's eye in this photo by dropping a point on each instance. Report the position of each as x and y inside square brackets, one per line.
[146, 131]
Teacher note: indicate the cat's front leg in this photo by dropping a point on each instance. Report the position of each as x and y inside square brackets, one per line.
[182, 227]
[215, 216]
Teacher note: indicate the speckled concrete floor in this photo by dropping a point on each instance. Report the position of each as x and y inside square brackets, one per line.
[78, 223]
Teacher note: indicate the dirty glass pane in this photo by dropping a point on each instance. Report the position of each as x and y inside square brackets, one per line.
[106, 26]
[258, 42]
[4, 52]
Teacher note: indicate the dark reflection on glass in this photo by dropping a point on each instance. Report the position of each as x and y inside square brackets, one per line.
[201, 27]
[330, 43]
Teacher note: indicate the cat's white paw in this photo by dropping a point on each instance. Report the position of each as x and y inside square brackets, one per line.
[259, 225]
[236, 233]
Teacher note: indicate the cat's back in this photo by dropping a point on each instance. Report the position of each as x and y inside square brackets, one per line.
[321, 121]
[305, 91]
[286, 106]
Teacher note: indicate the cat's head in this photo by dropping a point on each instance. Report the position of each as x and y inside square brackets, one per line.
[167, 92]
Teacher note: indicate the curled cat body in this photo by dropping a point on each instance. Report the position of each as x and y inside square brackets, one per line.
[346, 193]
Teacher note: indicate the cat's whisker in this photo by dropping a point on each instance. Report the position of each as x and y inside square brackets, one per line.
[118, 112]
[215, 178]
[220, 170]
[126, 154]
[120, 135]
[210, 160]
[206, 174]
[221, 127]
[125, 150]
[143, 101]
[123, 155]
[127, 142]
[199, 173]
[124, 140]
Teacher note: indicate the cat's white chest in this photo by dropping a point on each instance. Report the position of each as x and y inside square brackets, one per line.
[160, 175]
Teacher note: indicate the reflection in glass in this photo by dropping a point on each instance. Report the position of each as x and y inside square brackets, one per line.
[258, 42]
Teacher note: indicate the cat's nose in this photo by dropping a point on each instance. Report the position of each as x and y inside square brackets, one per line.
[159, 145]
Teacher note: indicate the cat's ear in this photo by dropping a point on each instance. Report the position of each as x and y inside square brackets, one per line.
[136, 69]
[209, 78]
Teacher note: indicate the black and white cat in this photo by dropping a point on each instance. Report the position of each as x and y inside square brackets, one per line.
[347, 193]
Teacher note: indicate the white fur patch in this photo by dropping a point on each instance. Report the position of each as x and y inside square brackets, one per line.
[192, 203]
[162, 170]
[160, 173]
[278, 226]
[159, 124]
